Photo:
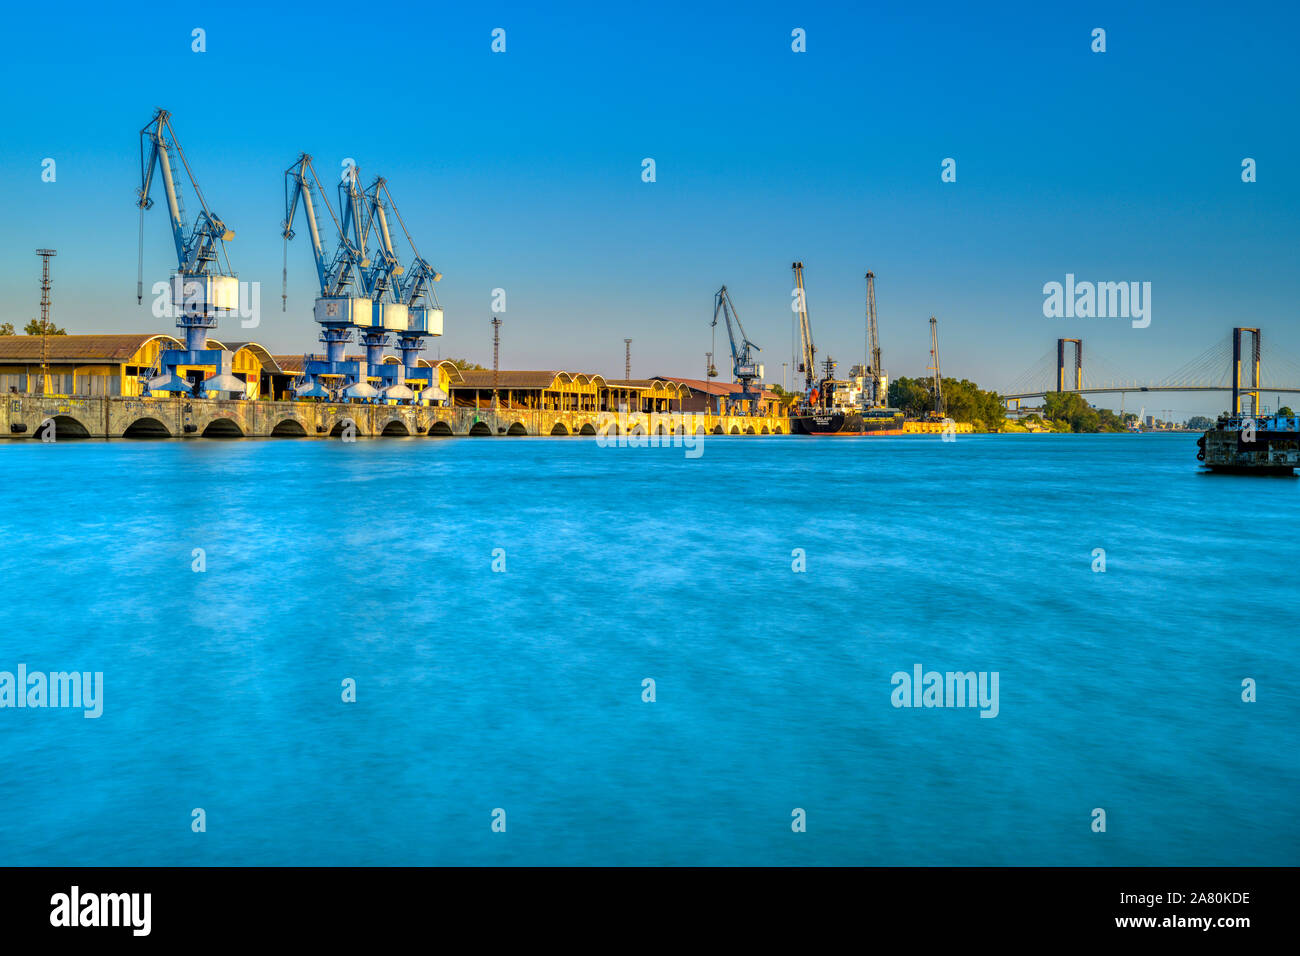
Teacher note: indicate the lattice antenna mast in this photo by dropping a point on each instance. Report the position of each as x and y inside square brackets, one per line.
[627, 360]
[496, 359]
[45, 255]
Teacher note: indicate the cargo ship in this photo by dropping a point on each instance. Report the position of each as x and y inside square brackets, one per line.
[1248, 445]
[845, 421]
[832, 406]
[842, 407]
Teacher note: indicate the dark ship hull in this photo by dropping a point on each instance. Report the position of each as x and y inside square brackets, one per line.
[834, 421]
[1244, 446]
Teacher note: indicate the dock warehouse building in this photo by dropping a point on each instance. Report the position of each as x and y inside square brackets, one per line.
[98, 366]
[555, 390]
[712, 397]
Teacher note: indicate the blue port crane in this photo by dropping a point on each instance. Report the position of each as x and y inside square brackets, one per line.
[404, 295]
[343, 303]
[415, 309]
[363, 212]
[744, 366]
[201, 286]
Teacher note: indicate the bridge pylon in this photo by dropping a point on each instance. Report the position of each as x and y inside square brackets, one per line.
[1060, 364]
[1240, 389]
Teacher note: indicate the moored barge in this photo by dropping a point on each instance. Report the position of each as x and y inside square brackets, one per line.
[1245, 444]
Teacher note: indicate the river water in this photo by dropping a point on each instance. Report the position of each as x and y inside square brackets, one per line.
[521, 689]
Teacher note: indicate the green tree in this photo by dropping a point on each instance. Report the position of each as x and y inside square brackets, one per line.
[910, 396]
[34, 328]
[1069, 412]
[787, 398]
[465, 365]
[6, 328]
[1284, 410]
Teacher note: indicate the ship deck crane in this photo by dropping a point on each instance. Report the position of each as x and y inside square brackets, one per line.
[341, 304]
[201, 287]
[808, 363]
[936, 388]
[878, 396]
[744, 366]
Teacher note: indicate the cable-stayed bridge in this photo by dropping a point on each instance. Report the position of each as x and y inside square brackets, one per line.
[1238, 363]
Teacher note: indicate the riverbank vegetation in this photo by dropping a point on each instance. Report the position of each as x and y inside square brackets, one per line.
[963, 400]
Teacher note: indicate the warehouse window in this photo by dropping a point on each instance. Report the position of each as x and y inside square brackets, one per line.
[98, 386]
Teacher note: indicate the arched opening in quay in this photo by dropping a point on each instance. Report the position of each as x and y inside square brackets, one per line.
[480, 428]
[517, 428]
[441, 429]
[766, 431]
[750, 430]
[289, 428]
[395, 428]
[222, 428]
[612, 430]
[559, 429]
[735, 429]
[717, 430]
[337, 430]
[661, 430]
[65, 426]
[146, 428]
[587, 429]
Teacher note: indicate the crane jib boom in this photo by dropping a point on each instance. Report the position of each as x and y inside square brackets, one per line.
[197, 252]
[300, 183]
[410, 285]
[337, 272]
[381, 277]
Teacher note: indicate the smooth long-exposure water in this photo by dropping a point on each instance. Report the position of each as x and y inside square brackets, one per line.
[522, 689]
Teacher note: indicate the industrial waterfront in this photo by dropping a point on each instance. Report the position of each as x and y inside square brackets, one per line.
[195, 385]
[192, 384]
[617, 438]
[522, 687]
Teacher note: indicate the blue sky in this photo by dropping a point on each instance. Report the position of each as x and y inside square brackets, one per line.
[522, 170]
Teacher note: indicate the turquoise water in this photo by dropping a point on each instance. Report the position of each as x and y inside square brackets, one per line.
[522, 689]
